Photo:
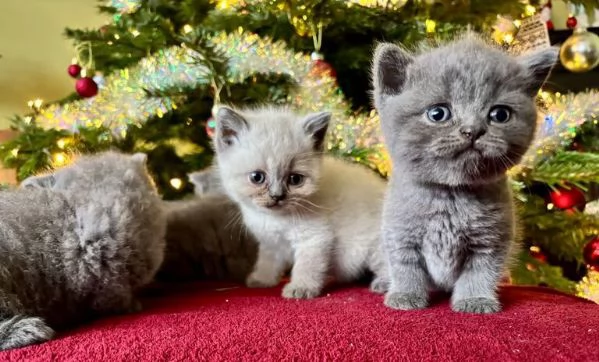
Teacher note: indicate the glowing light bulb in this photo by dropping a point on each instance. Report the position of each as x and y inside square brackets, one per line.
[176, 183]
[187, 28]
[59, 159]
[508, 38]
[530, 10]
[430, 25]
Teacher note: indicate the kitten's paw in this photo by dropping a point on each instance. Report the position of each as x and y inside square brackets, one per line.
[293, 291]
[476, 305]
[257, 281]
[23, 331]
[379, 285]
[405, 301]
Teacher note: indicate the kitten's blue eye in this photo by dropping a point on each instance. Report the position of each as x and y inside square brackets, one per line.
[438, 113]
[295, 179]
[257, 177]
[500, 114]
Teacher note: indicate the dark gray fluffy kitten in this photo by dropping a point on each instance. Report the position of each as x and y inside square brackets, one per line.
[455, 118]
[77, 244]
[205, 237]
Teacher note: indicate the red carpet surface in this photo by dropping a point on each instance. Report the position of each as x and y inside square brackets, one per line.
[210, 322]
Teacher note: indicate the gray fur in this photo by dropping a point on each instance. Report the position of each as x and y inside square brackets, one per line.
[448, 220]
[313, 226]
[205, 236]
[77, 245]
[206, 182]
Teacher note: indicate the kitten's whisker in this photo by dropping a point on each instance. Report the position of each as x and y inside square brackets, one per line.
[315, 205]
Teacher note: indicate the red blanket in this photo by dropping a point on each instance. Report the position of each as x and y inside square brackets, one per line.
[209, 322]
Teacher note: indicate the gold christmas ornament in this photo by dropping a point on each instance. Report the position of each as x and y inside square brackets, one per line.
[580, 52]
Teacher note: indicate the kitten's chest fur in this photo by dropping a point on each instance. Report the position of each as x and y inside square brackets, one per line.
[281, 231]
[448, 224]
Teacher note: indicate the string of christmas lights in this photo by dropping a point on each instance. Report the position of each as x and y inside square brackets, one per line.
[588, 287]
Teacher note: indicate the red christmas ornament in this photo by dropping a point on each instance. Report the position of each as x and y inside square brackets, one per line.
[575, 146]
[86, 87]
[571, 22]
[210, 127]
[74, 70]
[570, 198]
[536, 253]
[320, 67]
[591, 254]
[549, 24]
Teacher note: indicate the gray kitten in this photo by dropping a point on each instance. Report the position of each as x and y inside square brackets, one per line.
[315, 213]
[455, 119]
[77, 244]
[206, 182]
[205, 237]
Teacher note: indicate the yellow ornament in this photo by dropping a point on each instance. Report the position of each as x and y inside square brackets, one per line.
[580, 52]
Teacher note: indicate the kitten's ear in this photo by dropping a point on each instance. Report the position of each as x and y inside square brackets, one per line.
[539, 64]
[140, 158]
[200, 181]
[389, 71]
[229, 124]
[316, 125]
[40, 182]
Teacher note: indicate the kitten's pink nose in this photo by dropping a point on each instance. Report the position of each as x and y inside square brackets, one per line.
[471, 133]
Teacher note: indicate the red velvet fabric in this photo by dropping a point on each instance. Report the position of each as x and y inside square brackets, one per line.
[208, 321]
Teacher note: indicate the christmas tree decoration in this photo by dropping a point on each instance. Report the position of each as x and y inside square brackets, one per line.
[99, 80]
[210, 127]
[580, 52]
[588, 287]
[178, 68]
[561, 116]
[74, 70]
[86, 87]
[176, 183]
[568, 198]
[320, 68]
[571, 22]
[590, 254]
[549, 25]
[538, 254]
[125, 6]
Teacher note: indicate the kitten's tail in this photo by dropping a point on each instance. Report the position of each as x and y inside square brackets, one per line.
[21, 331]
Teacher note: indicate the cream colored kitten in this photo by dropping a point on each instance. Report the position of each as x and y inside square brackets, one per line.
[314, 212]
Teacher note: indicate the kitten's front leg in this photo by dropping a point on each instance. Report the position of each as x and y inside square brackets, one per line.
[311, 264]
[475, 289]
[268, 268]
[409, 281]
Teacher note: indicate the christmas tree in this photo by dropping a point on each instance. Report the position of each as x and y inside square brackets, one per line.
[150, 79]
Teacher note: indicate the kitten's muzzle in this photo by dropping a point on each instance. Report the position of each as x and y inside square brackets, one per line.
[276, 200]
[471, 133]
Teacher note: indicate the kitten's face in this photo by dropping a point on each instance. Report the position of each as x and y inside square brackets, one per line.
[459, 115]
[270, 160]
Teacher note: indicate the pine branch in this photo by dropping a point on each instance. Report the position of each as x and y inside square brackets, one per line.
[530, 271]
[575, 167]
[563, 234]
